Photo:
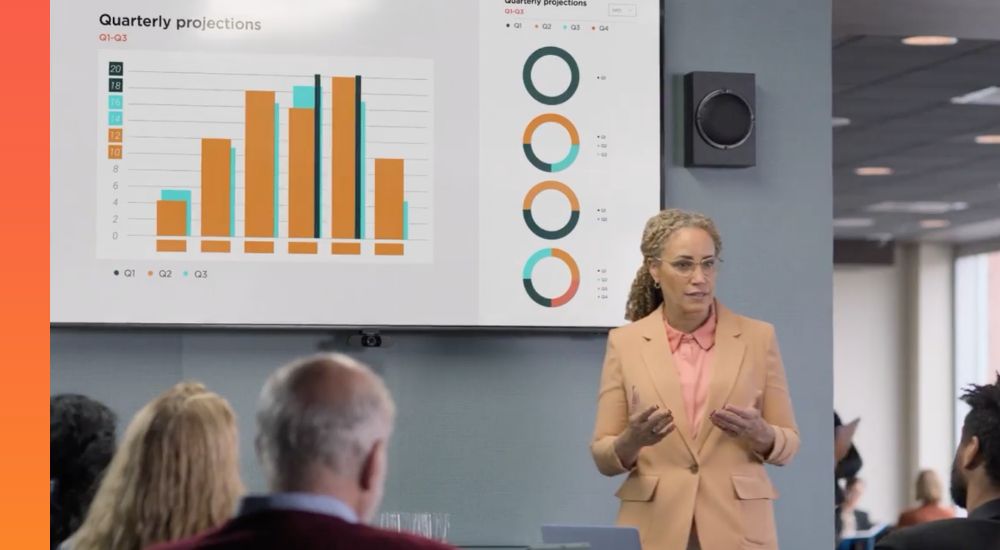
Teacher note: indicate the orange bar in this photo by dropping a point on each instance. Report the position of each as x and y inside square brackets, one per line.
[352, 249]
[343, 157]
[259, 164]
[258, 247]
[171, 246]
[215, 246]
[215, 188]
[301, 191]
[388, 249]
[388, 198]
[114, 135]
[114, 151]
[303, 248]
[171, 218]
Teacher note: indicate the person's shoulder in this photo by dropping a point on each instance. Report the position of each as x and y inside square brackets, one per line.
[908, 517]
[371, 537]
[183, 544]
[944, 534]
[749, 326]
[626, 332]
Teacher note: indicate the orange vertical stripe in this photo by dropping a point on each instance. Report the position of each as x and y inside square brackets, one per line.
[259, 167]
[344, 160]
[301, 193]
[215, 187]
[171, 218]
[24, 411]
[388, 198]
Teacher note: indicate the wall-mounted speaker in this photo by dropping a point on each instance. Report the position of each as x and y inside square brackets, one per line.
[719, 119]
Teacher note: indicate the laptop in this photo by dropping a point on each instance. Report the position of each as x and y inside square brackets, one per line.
[599, 537]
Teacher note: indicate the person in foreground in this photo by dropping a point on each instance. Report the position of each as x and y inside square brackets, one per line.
[975, 485]
[81, 444]
[693, 401]
[323, 427]
[176, 473]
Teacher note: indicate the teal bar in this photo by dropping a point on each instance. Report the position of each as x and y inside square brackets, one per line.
[303, 97]
[180, 195]
[363, 169]
[406, 220]
[232, 192]
[275, 186]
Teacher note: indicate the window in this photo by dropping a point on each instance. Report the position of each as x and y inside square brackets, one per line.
[977, 325]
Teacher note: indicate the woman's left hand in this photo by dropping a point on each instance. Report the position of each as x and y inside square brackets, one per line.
[746, 423]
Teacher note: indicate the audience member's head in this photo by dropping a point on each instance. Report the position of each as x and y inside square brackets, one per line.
[323, 426]
[975, 476]
[81, 443]
[176, 473]
[928, 487]
[852, 492]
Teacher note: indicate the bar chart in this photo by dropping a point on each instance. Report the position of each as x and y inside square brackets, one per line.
[265, 158]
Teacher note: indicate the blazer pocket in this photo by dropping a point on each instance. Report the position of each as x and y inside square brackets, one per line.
[755, 496]
[638, 488]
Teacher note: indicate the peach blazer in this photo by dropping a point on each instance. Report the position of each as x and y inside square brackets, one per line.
[712, 480]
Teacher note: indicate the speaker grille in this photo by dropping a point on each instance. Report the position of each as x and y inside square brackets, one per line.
[724, 119]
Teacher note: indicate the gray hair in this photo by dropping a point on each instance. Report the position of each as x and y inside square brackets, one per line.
[296, 430]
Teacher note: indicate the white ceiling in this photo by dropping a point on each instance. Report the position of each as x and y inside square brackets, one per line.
[898, 100]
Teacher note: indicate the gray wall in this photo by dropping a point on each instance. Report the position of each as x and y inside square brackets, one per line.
[494, 427]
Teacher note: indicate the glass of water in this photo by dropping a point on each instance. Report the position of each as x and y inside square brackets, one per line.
[440, 523]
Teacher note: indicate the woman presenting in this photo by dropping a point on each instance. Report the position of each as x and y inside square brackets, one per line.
[693, 401]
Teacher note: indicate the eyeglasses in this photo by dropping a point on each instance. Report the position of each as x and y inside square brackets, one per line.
[687, 267]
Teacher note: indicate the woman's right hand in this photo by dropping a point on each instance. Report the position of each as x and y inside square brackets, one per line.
[646, 427]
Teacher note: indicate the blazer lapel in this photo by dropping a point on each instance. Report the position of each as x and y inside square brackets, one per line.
[725, 369]
[660, 364]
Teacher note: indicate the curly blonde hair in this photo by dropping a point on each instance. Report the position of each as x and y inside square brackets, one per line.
[175, 474]
[645, 297]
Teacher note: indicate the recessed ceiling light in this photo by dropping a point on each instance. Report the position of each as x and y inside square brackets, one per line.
[873, 171]
[988, 139]
[930, 40]
[985, 96]
[917, 207]
[934, 223]
[846, 223]
[839, 121]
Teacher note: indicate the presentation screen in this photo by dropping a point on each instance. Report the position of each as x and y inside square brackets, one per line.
[423, 163]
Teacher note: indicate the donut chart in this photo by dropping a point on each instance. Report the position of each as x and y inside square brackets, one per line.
[570, 224]
[574, 79]
[574, 271]
[574, 138]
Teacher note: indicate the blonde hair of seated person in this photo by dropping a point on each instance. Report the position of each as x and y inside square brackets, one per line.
[928, 487]
[176, 473]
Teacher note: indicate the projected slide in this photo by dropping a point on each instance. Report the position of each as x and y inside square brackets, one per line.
[351, 163]
[232, 155]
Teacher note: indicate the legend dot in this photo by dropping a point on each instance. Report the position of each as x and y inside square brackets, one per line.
[150, 273]
[116, 273]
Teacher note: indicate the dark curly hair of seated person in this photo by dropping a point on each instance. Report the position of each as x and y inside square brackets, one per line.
[81, 444]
